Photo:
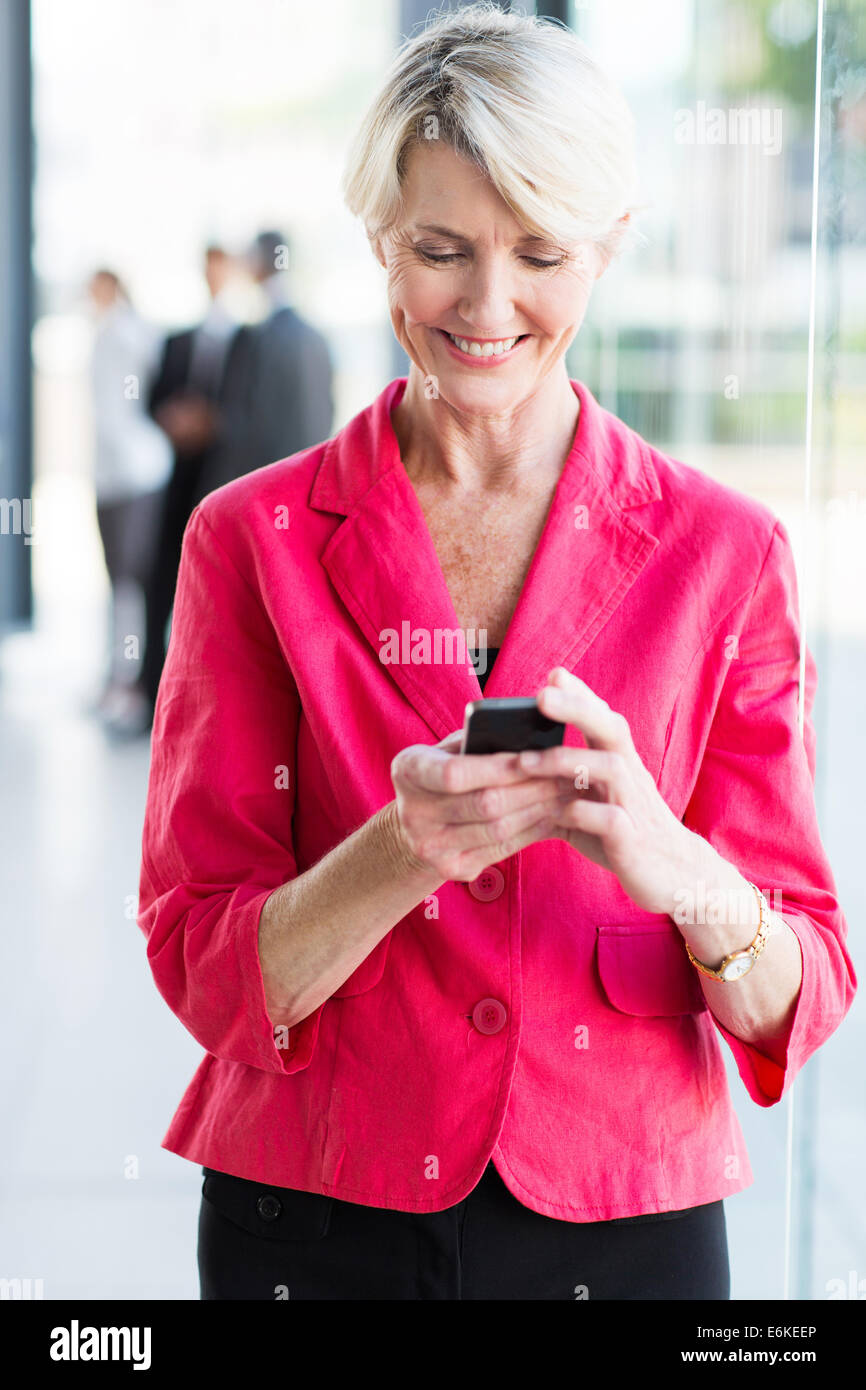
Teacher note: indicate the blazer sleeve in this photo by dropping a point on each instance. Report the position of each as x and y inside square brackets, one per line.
[217, 836]
[754, 802]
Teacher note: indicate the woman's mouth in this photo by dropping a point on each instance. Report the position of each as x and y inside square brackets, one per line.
[482, 352]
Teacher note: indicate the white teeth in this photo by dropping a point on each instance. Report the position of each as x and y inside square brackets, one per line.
[488, 349]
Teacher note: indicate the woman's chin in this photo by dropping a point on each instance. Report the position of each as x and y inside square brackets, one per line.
[480, 398]
[467, 388]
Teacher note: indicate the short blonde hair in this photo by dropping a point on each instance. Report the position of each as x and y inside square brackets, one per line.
[525, 100]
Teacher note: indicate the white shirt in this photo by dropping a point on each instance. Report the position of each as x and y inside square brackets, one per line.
[132, 455]
[210, 346]
[277, 290]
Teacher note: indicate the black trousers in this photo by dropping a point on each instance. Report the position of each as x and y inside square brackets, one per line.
[129, 531]
[180, 497]
[259, 1242]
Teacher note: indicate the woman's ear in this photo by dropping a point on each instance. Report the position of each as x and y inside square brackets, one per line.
[605, 254]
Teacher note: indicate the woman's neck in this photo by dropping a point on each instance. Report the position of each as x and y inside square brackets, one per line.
[486, 453]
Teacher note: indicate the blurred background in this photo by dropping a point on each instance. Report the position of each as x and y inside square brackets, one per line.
[169, 175]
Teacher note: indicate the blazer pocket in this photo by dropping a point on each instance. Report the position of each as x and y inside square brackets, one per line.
[368, 973]
[645, 971]
[275, 1213]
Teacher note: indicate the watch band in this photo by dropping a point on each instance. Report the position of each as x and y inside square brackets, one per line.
[739, 963]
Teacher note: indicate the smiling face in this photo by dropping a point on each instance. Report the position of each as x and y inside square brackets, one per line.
[461, 266]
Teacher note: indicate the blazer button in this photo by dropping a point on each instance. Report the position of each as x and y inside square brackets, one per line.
[488, 885]
[269, 1207]
[489, 1016]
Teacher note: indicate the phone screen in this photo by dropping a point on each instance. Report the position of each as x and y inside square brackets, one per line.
[508, 726]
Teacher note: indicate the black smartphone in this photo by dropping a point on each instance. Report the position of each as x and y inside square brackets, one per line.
[508, 726]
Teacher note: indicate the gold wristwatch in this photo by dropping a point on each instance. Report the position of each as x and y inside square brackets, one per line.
[739, 963]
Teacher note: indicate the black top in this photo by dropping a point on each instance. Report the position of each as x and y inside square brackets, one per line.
[491, 653]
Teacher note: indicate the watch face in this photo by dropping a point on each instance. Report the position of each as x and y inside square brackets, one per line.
[739, 966]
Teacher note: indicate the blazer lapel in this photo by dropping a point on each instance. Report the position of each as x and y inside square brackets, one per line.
[589, 555]
[383, 564]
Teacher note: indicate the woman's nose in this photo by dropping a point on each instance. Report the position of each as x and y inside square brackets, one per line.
[487, 302]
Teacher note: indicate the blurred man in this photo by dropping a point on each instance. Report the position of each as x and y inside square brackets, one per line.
[201, 368]
[132, 464]
[283, 401]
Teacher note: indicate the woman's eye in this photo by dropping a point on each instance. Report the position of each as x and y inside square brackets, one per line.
[444, 258]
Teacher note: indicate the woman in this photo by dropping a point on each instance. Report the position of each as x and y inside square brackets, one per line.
[132, 463]
[462, 1013]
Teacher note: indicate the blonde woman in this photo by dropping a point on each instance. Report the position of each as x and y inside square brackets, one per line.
[464, 1013]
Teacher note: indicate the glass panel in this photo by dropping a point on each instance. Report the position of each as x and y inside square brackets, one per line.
[701, 342]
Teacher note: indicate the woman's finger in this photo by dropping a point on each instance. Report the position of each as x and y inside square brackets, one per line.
[496, 834]
[433, 769]
[541, 826]
[584, 768]
[491, 803]
[592, 817]
[451, 742]
[571, 700]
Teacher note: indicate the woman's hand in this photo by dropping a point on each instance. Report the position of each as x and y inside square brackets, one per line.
[616, 815]
[457, 814]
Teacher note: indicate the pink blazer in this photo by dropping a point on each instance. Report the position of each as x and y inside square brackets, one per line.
[536, 1015]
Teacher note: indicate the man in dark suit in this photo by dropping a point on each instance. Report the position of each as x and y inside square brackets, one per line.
[281, 401]
[195, 398]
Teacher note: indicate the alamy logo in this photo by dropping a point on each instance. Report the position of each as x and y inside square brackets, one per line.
[22, 1288]
[76, 1343]
[747, 125]
[421, 646]
[16, 518]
